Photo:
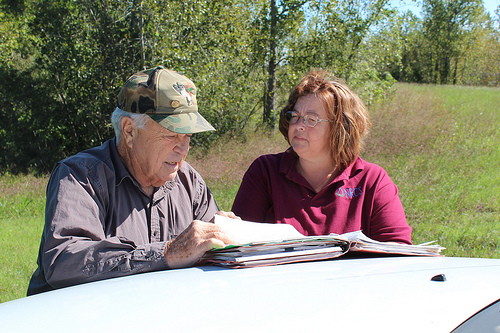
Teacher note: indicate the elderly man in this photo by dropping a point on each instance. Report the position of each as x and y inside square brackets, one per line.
[131, 205]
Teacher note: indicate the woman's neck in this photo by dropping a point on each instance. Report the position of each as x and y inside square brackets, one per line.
[317, 173]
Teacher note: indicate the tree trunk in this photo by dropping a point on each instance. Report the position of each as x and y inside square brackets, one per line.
[143, 53]
[269, 107]
[455, 72]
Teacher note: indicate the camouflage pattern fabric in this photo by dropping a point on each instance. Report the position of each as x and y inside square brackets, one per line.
[168, 97]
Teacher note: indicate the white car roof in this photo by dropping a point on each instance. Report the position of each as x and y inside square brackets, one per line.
[390, 294]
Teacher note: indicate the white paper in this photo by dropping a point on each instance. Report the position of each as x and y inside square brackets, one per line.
[245, 232]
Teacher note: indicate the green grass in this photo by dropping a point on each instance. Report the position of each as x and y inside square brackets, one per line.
[440, 145]
[20, 240]
[22, 201]
[448, 172]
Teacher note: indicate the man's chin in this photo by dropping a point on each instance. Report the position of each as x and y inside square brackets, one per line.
[166, 178]
[171, 177]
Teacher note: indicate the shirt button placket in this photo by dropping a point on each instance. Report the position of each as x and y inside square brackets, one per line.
[155, 223]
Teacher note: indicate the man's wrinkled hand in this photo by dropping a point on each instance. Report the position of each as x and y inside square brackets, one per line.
[199, 237]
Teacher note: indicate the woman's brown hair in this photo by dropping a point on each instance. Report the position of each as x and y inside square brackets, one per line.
[348, 116]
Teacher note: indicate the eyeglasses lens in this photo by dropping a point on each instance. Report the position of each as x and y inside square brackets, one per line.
[310, 121]
[293, 118]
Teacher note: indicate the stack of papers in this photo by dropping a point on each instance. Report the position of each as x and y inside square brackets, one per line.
[264, 244]
[361, 243]
[278, 252]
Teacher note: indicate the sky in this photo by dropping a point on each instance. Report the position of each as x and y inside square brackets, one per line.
[404, 5]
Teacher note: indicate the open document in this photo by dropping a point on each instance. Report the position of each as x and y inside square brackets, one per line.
[263, 244]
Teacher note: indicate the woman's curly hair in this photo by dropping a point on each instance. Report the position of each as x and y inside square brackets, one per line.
[350, 122]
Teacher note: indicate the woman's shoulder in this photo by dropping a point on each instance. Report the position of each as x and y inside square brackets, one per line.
[368, 166]
[368, 169]
[372, 174]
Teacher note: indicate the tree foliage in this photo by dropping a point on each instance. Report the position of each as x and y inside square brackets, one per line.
[447, 25]
[455, 42]
[63, 62]
[337, 38]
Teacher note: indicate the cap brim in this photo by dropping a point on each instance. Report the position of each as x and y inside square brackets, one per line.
[183, 123]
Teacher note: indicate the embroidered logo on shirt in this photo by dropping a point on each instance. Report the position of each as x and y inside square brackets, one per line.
[349, 193]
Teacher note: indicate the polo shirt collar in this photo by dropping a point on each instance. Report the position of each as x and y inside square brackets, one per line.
[352, 170]
[288, 168]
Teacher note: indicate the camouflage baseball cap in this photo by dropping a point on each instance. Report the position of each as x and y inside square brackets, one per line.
[168, 97]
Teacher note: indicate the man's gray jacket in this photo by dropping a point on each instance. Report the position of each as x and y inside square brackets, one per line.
[100, 224]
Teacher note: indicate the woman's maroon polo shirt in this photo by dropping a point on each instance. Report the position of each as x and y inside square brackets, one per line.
[362, 197]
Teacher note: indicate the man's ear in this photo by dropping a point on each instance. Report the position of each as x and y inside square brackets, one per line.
[128, 130]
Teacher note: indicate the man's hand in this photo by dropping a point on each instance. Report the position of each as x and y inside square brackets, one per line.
[198, 238]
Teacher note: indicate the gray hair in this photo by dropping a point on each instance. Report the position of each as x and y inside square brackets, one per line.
[139, 119]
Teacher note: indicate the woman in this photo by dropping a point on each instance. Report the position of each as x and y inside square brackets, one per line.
[320, 185]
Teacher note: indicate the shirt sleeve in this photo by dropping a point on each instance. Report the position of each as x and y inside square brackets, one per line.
[75, 248]
[253, 200]
[388, 220]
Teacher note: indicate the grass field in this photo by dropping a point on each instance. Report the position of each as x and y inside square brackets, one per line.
[440, 145]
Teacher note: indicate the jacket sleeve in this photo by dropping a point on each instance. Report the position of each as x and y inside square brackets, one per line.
[74, 246]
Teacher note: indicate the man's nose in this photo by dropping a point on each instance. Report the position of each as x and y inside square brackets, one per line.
[183, 143]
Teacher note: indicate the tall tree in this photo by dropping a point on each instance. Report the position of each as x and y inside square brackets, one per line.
[445, 22]
[278, 20]
[394, 45]
[336, 38]
[479, 62]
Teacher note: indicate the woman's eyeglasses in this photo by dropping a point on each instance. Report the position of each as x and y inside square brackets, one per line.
[309, 120]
